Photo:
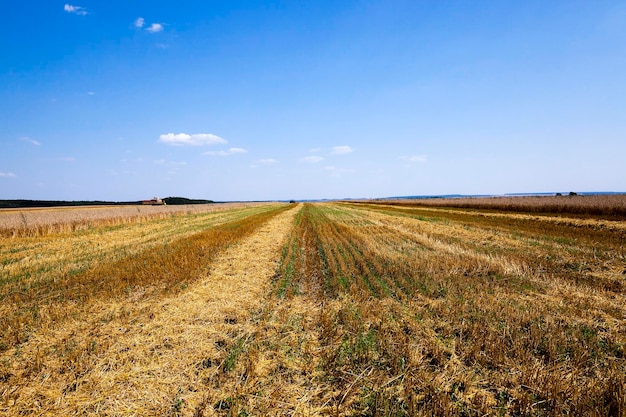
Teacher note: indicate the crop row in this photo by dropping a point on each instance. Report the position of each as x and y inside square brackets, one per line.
[611, 206]
[374, 310]
[380, 311]
[43, 312]
[43, 222]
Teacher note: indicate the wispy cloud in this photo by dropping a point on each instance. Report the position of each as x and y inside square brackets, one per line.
[231, 151]
[414, 158]
[314, 150]
[197, 139]
[140, 23]
[341, 150]
[31, 141]
[267, 161]
[91, 93]
[75, 9]
[155, 28]
[313, 159]
[7, 175]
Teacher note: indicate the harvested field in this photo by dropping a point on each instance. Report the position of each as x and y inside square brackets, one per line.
[51, 278]
[319, 309]
[385, 311]
[610, 206]
[42, 221]
[142, 355]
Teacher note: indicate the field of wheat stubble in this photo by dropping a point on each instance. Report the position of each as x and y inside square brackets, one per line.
[333, 309]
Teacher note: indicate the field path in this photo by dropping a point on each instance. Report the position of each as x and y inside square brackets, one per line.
[161, 362]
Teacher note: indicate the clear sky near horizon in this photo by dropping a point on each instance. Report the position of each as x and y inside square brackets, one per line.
[249, 100]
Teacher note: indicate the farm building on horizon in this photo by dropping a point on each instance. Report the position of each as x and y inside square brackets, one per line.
[156, 201]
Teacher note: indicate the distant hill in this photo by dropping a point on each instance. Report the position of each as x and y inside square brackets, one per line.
[60, 203]
[423, 197]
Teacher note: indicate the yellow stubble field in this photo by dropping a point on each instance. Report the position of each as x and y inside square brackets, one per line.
[318, 309]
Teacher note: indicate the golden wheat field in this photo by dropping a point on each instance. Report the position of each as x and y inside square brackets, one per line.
[316, 309]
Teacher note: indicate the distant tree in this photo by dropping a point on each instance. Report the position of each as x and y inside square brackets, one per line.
[559, 195]
[572, 193]
[173, 201]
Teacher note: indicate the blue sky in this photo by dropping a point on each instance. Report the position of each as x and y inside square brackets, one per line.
[248, 100]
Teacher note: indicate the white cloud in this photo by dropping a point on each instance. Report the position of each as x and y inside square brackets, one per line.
[313, 159]
[7, 175]
[184, 139]
[140, 23]
[237, 150]
[91, 93]
[75, 9]
[155, 28]
[341, 150]
[414, 158]
[314, 150]
[231, 151]
[267, 161]
[31, 141]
